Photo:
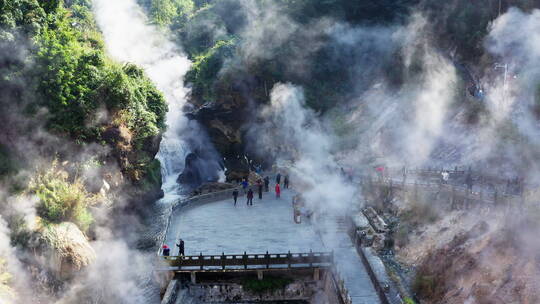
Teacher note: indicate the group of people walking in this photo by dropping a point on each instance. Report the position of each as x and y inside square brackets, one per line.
[260, 184]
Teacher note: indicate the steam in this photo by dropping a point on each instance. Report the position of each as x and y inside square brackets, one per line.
[129, 38]
[293, 135]
[13, 266]
[514, 39]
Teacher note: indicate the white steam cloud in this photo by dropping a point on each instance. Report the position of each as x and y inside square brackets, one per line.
[292, 134]
[129, 38]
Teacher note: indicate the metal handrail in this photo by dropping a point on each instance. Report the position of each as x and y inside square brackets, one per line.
[245, 260]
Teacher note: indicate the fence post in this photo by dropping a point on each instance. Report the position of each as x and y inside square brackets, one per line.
[201, 260]
[267, 258]
[245, 260]
[223, 260]
[289, 259]
[310, 258]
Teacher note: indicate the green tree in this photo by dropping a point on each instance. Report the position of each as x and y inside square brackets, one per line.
[163, 12]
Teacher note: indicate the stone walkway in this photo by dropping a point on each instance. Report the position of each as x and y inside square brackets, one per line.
[268, 225]
[349, 264]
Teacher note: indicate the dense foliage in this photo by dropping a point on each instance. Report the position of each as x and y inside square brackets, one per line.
[62, 200]
[66, 66]
[56, 78]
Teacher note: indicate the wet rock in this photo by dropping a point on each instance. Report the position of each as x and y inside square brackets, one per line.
[212, 187]
[190, 175]
[198, 170]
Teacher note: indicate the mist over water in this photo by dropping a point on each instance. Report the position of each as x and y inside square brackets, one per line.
[129, 38]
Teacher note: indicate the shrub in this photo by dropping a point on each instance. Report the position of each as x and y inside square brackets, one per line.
[266, 284]
[62, 200]
[408, 301]
[424, 285]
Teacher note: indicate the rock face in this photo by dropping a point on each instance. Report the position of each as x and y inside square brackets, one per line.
[146, 179]
[224, 121]
[191, 175]
[197, 170]
[212, 187]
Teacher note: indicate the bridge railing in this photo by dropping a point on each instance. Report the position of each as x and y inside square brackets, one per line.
[207, 197]
[457, 192]
[245, 260]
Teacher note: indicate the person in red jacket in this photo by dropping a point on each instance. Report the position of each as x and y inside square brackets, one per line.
[278, 191]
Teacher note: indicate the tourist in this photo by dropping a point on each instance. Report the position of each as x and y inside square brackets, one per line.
[245, 184]
[380, 172]
[260, 188]
[278, 178]
[266, 184]
[250, 197]
[166, 250]
[445, 176]
[235, 195]
[278, 191]
[180, 246]
[286, 182]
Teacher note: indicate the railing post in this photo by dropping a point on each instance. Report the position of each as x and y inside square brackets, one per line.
[201, 260]
[267, 258]
[289, 259]
[223, 260]
[310, 258]
[245, 260]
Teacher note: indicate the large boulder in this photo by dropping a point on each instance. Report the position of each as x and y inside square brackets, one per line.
[191, 175]
[199, 168]
[66, 249]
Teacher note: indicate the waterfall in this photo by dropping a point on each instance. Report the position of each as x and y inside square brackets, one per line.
[129, 38]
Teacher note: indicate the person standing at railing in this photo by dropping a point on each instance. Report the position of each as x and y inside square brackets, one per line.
[180, 246]
[235, 195]
[166, 250]
[250, 197]
[445, 177]
[278, 191]
[286, 182]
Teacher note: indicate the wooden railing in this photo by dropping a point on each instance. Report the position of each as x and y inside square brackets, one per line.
[250, 261]
[456, 192]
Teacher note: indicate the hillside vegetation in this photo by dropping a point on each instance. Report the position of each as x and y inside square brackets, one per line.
[79, 130]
